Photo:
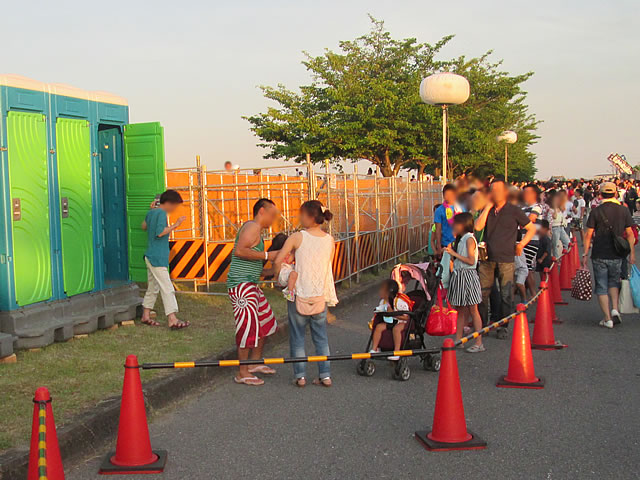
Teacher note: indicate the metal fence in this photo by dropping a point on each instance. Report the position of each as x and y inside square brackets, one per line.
[376, 219]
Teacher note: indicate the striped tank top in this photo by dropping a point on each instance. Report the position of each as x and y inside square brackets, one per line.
[240, 270]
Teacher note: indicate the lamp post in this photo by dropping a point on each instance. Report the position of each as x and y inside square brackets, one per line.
[444, 89]
[508, 137]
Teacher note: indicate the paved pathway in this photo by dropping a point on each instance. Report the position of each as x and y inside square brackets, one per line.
[584, 424]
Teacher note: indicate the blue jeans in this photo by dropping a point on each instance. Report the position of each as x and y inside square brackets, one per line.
[607, 273]
[297, 330]
[558, 233]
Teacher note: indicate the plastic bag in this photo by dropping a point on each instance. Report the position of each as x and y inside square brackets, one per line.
[634, 283]
[442, 320]
[625, 300]
[446, 269]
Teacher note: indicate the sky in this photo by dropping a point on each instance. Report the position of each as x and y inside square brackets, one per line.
[195, 66]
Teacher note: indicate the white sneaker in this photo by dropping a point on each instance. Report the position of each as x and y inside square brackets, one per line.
[374, 351]
[606, 323]
[393, 358]
[616, 317]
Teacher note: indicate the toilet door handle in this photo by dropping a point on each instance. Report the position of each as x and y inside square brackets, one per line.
[17, 209]
[65, 207]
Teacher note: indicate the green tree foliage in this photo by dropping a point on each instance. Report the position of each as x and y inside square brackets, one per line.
[363, 103]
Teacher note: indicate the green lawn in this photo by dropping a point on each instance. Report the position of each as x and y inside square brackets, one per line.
[83, 371]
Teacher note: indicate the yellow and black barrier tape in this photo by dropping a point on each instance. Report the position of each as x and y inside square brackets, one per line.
[351, 356]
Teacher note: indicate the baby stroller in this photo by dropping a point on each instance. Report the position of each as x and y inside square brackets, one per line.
[420, 283]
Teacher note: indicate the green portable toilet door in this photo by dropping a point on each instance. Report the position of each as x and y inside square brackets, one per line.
[73, 142]
[144, 165]
[29, 189]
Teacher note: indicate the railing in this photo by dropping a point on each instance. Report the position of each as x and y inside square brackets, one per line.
[376, 219]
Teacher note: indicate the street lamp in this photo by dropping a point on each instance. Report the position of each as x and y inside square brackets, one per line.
[444, 89]
[508, 137]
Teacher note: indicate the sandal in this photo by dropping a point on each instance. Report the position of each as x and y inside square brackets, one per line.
[252, 381]
[262, 369]
[476, 349]
[323, 382]
[301, 382]
[179, 326]
[151, 322]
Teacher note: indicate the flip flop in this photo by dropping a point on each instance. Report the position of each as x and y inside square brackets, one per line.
[323, 382]
[262, 369]
[251, 381]
[179, 326]
[150, 322]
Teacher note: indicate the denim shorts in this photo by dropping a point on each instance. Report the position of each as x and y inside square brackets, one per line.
[607, 273]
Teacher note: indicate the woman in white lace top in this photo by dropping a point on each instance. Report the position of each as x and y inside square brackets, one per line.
[314, 288]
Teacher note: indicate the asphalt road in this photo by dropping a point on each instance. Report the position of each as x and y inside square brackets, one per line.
[584, 424]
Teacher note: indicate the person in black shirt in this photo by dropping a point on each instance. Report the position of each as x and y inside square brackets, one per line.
[502, 221]
[606, 222]
[543, 258]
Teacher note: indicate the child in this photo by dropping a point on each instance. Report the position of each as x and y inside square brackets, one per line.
[391, 300]
[287, 277]
[543, 259]
[431, 241]
[464, 286]
[157, 259]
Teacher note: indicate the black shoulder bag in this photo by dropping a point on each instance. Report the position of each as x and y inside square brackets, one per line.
[620, 244]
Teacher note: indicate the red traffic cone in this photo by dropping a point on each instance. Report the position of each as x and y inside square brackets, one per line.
[543, 338]
[565, 271]
[44, 456]
[552, 307]
[133, 453]
[521, 372]
[449, 430]
[554, 284]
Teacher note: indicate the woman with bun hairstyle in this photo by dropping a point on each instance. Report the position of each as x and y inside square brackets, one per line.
[314, 289]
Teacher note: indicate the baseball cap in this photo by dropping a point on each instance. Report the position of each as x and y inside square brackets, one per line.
[608, 187]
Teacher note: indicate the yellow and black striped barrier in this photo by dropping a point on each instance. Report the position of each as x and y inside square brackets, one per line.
[42, 441]
[352, 356]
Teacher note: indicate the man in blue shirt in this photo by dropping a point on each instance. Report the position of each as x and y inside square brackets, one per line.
[156, 258]
[443, 218]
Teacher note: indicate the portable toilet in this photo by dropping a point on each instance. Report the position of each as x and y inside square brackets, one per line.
[75, 182]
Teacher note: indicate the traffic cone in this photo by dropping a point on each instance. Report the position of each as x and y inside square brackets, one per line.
[552, 307]
[449, 431]
[565, 271]
[521, 372]
[133, 453]
[543, 338]
[554, 284]
[44, 455]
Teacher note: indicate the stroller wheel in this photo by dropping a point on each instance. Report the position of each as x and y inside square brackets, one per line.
[366, 368]
[431, 362]
[502, 333]
[401, 371]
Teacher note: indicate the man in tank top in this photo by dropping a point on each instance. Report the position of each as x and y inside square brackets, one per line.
[253, 315]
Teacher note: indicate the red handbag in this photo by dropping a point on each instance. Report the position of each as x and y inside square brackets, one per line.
[442, 320]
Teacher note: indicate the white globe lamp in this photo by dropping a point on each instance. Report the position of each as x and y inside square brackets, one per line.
[508, 137]
[444, 89]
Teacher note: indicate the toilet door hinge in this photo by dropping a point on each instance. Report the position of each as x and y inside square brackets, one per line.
[52, 151]
[3, 149]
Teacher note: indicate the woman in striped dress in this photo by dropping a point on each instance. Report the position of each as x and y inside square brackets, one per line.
[464, 287]
[533, 209]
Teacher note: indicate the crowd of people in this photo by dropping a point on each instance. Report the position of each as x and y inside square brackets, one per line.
[491, 238]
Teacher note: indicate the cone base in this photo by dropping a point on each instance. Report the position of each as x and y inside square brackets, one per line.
[108, 468]
[475, 443]
[504, 383]
[556, 346]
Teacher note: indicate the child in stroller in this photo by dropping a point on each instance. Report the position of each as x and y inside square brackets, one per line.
[391, 300]
[406, 301]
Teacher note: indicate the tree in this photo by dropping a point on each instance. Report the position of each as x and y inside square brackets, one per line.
[363, 103]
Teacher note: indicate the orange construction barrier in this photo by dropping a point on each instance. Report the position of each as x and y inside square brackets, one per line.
[449, 430]
[554, 284]
[521, 372]
[565, 271]
[44, 456]
[133, 453]
[543, 337]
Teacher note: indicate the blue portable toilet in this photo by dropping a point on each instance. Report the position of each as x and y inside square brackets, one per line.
[64, 266]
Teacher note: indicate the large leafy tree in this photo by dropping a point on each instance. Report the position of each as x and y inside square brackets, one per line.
[363, 103]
